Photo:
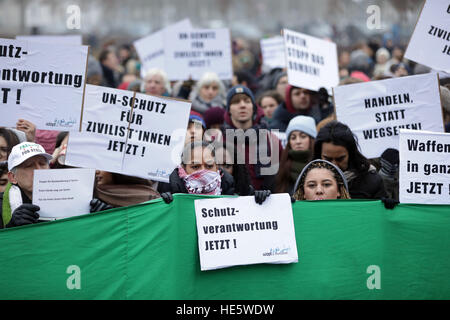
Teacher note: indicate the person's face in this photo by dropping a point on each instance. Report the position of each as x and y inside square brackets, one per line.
[201, 159]
[3, 181]
[281, 86]
[338, 155]
[241, 108]
[320, 184]
[209, 91]
[269, 104]
[401, 72]
[3, 149]
[111, 60]
[397, 53]
[300, 99]
[194, 132]
[155, 85]
[124, 54]
[299, 141]
[103, 177]
[25, 173]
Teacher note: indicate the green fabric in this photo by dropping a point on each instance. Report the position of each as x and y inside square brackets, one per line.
[149, 251]
[6, 207]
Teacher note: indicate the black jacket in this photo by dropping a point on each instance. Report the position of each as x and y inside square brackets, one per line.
[176, 184]
[367, 186]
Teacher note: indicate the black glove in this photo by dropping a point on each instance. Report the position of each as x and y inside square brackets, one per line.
[23, 215]
[167, 197]
[389, 203]
[98, 205]
[261, 196]
[293, 199]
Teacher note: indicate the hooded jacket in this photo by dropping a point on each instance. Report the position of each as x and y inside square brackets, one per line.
[286, 112]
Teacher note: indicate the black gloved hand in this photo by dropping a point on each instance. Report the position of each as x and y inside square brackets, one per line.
[293, 199]
[261, 196]
[23, 215]
[98, 205]
[167, 197]
[390, 203]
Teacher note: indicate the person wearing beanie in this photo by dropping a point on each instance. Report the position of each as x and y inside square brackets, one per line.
[196, 128]
[299, 101]
[16, 207]
[242, 113]
[300, 135]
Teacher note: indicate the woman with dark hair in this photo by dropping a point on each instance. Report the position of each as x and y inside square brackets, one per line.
[337, 144]
[269, 101]
[8, 139]
[321, 180]
[199, 174]
[300, 135]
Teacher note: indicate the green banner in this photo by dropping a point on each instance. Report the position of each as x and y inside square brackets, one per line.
[348, 249]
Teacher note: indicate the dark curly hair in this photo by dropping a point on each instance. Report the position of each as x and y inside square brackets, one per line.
[339, 134]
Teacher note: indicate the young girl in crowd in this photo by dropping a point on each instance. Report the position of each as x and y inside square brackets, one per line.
[300, 135]
[269, 101]
[336, 143]
[321, 180]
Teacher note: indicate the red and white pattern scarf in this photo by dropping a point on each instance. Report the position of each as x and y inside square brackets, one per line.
[204, 182]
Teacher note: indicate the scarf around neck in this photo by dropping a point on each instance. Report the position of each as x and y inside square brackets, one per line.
[204, 182]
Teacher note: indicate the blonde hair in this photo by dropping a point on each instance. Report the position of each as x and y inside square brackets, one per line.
[156, 72]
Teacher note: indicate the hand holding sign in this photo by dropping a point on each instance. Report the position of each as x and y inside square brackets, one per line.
[238, 231]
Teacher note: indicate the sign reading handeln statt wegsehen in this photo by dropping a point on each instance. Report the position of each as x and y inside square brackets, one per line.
[424, 167]
[42, 83]
[238, 231]
[430, 42]
[129, 133]
[311, 62]
[376, 111]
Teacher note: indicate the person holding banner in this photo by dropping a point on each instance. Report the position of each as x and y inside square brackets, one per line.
[299, 101]
[208, 92]
[321, 180]
[336, 143]
[300, 135]
[199, 174]
[17, 208]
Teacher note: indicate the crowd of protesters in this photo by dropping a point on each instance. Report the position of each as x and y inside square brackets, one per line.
[316, 157]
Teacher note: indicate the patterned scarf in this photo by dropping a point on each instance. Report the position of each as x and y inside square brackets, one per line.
[204, 182]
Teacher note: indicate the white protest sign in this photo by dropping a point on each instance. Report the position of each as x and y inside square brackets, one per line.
[72, 39]
[376, 111]
[238, 231]
[41, 83]
[429, 44]
[190, 53]
[424, 167]
[272, 50]
[133, 134]
[150, 49]
[63, 193]
[311, 62]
